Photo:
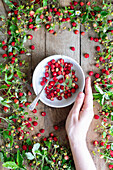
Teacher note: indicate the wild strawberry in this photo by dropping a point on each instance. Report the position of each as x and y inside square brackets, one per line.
[31, 26]
[43, 113]
[41, 16]
[76, 31]
[66, 157]
[101, 58]
[51, 31]
[35, 123]
[4, 55]
[44, 139]
[72, 48]
[34, 111]
[97, 65]
[16, 101]
[13, 59]
[74, 24]
[42, 130]
[97, 75]
[20, 64]
[90, 73]
[30, 20]
[95, 143]
[32, 47]
[16, 146]
[107, 72]
[4, 47]
[42, 83]
[3, 42]
[9, 32]
[108, 146]
[82, 33]
[46, 74]
[30, 147]
[26, 104]
[20, 105]
[55, 139]
[31, 13]
[96, 116]
[102, 143]
[29, 93]
[56, 127]
[105, 119]
[28, 125]
[0, 120]
[5, 108]
[96, 39]
[38, 134]
[13, 43]
[24, 147]
[98, 48]
[91, 38]
[22, 116]
[30, 37]
[110, 166]
[22, 52]
[47, 26]
[88, 3]
[86, 55]
[20, 94]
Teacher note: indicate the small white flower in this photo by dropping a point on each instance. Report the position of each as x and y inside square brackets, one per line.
[44, 148]
[77, 12]
[56, 146]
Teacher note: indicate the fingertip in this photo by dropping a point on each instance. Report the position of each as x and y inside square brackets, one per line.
[81, 95]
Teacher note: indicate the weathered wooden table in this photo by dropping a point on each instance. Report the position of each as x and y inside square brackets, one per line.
[46, 45]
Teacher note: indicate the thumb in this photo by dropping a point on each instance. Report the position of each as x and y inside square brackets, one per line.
[78, 104]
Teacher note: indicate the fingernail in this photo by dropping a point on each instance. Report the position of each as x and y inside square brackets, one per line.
[81, 95]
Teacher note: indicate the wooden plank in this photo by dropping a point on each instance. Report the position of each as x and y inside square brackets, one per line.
[88, 64]
[60, 44]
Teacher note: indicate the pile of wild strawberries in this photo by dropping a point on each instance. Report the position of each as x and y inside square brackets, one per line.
[59, 87]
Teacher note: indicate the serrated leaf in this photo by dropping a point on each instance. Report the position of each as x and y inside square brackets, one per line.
[35, 148]
[98, 89]
[1, 157]
[104, 13]
[5, 104]
[29, 155]
[3, 87]
[28, 141]
[46, 168]
[10, 165]
[97, 8]
[45, 3]
[10, 4]
[19, 158]
[39, 10]
[96, 96]
[13, 28]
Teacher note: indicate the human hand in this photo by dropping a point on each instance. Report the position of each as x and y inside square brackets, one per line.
[81, 115]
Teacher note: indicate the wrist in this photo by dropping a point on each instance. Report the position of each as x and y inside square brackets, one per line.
[77, 143]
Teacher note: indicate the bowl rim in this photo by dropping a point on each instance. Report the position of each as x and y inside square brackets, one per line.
[48, 59]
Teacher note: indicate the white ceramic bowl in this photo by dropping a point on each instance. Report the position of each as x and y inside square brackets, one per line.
[39, 73]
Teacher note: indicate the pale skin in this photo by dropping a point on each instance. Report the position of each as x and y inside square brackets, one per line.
[77, 125]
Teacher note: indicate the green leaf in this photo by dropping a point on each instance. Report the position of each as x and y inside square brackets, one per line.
[10, 40]
[96, 96]
[45, 3]
[28, 141]
[85, 17]
[23, 99]
[1, 157]
[104, 13]
[13, 28]
[35, 147]
[111, 129]
[97, 8]
[102, 100]
[37, 20]
[39, 10]
[10, 4]
[104, 134]
[46, 168]
[3, 87]
[112, 116]
[1, 98]
[111, 146]
[110, 28]
[98, 89]
[19, 158]
[10, 48]
[5, 104]
[10, 165]
[29, 155]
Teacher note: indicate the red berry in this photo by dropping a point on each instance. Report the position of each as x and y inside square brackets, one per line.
[95, 142]
[101, 58]
[98, 48]
[20, 94]
[30, 37]
[55, 139]
[42, 130]
[56, 127]
[97, 75]
[82, 33]
[91, 38]
[34, 111]
[76, 31]
[10, 54]
[107, 72]
[81, 3]
[30, 119]
[31, 13]
[51, 31]
[29, 93]
[4, 55]
[3, 42]
[32, 47]
[13, 43]
[108, 147]
[41, 16]
[72, 48]
[35, 123]
[102, 143]
[86, 55]
[46, 74]
[96, 116]
[4, 47]
[42, 83]
[30, 147]
[22, 52]
[90, 73]
[9, 32]
[88, 3]
[47, 26]
[24, 147]
[43, 113]
[74, 24]
[20, 105]
[38, 134]
[31, 26]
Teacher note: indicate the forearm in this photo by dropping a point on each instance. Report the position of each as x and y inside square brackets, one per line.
[81, 156]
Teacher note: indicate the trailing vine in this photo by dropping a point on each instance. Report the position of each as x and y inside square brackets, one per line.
[16, 144]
